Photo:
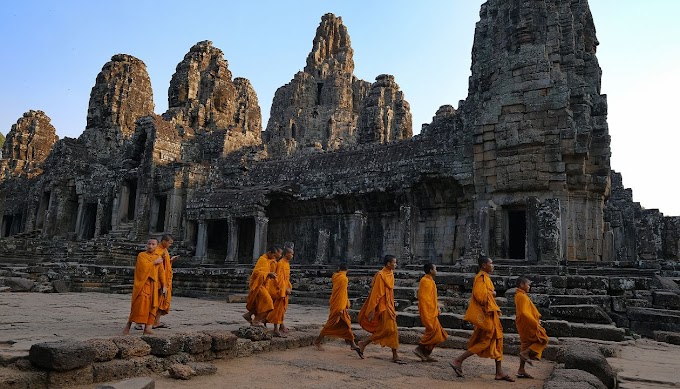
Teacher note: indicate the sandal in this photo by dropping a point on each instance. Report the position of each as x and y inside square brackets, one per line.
[457, 369]
[505, 378]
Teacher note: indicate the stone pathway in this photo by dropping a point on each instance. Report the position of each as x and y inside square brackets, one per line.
[648, 364]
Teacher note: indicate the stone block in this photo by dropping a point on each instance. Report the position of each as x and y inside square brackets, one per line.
[181, 372]
[587, 313]
[19, 284]
[262, 346]
[452, 320]
[62, 379]
[409, 337]
[196, 342]
[598, 331]
[405, 319]
[132, 383]
[114, 370]
[61, 355]
[221, 340]
[620, 284]
[164, 345]
[244, 347]
[104, 349]
[253, 333]
[508, 323]
[405, 293]
[666, 300]
[278, 344]
[590, 359]
[202, 368]
[571, 379]
[131, 346]
[557, 328]
[15, 379]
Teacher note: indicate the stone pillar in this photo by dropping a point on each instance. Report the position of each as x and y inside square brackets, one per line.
[232, 242]
[472, 241]
[532, 251]
[115, 212]
[550, 232]
[174, 211]
[406, 254]
[124, 203]
[322, 247]
[202, 241]
[79, 218]
[608, 243]
[355, 238]
[483, 220]
[260, 243]
[99, 219]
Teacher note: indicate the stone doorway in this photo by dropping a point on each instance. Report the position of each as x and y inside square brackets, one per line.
[42, 209]
[516, 233]
[158, 211]
[218, 239]
[89, 221]
[7, 221]
[246, 240]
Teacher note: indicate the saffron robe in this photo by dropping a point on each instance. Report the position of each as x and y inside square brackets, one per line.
[383, 327]
[281, 283]
[144, 304]
[531, 335]
[165, 279]
[486, 344]
[259, 300]
[339, 324]
[428, 307]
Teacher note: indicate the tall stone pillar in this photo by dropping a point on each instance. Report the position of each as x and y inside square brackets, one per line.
[79, 217]
[232, 242]
[608, 253]
[405, 212]
[472, 241]
[202, 241]
[532, 249]
[322, 247]
[355, 238]
[260, 242]
[550, 232]
[175, 209]
[115, 212]
[483, 220]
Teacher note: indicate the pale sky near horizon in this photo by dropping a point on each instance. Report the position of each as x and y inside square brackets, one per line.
[53, 52]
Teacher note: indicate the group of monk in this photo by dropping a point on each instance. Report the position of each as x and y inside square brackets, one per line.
[270, 288]
[152, 287]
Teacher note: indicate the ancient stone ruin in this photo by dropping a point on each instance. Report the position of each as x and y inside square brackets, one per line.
[520, 170]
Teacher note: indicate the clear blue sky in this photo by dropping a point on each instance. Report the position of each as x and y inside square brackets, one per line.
[53, 51]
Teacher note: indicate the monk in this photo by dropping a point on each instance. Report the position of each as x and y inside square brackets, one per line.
[378, 315]
[282, 289]
[165, 278]
[339, 324]
[259, 301]
[532, 336]
[145, 288]
[483, 312]
[428, 307]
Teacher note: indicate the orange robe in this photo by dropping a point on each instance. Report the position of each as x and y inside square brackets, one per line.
[531, 334]
[383, 327]
[281, 282]
[145, 290]
[486, 344]
[165, 279]
[339, 324]
[428, 307]
[259, 300]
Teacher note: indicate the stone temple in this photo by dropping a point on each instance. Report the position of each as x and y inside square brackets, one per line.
[520, 170]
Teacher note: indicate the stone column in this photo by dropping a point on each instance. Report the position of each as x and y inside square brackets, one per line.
[232, 242]
[124, 203]
[174, 211]
[405, 212]
[322, 247]
[472, 241]
[608, 244]
[202, 241]
[483, 221]
[532, 250]
[79, 218]
[115, 212]
[550, 232]
[355, 239]
[260, 243]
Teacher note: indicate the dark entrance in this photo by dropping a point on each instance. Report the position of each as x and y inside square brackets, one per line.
[132, 199]
[517, 234]
[246, 240]
[218, 231]
[89, 221]
[7, 225]
[42, 209]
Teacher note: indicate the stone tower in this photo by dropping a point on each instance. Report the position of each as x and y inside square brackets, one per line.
[385, 115]
[320, 106]
[539, 120]
[28, 143]
[121, 95]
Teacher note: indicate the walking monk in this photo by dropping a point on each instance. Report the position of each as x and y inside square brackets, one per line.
[165, 278]
[532, 336]
[378, 315]
[339, 324]
[259, 301]
[282, 289]
[428, 307]
[483, 312]
[145, 288]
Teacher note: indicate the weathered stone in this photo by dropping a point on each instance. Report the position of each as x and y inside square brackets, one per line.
[201, 368]
[164, 345]
[28, 143]
[15, 379]
[253, 333]
[121, 95]
[181, 372]
[18, 284]
[131, 346]
[597, 331]
[132, 383]
[573, 378]
[104, 349]
[588, 313]
[60, 286]
[385, 115]
[591, 360]
[61, 355]
[221, 340]
[118, 369]
[667, 300]
[61, 379]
